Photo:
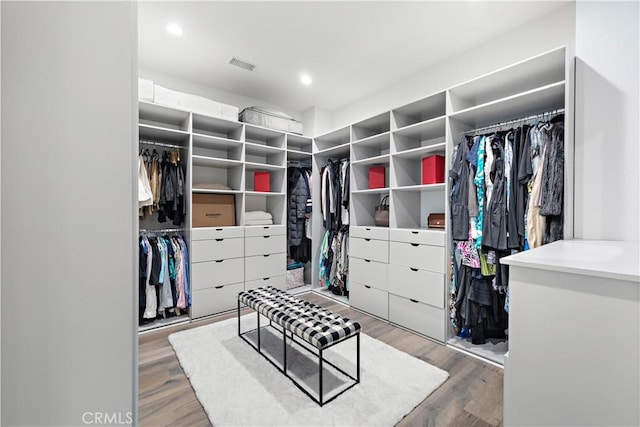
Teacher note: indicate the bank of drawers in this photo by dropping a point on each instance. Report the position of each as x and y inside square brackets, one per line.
[416, 281]
[265, 256]
[217, 270]
[368, 265]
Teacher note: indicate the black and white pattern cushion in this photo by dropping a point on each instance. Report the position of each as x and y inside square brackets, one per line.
[314, 324]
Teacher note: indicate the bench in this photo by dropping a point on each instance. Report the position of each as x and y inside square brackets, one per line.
[312, 327]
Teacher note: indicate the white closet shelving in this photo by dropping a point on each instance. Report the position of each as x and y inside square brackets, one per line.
[400, 273]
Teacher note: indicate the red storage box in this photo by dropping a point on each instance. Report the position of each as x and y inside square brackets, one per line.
[433, 170]
[261, 181]
[376, 177]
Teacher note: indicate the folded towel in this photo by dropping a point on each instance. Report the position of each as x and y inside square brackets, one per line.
[259, 222]
[255, 215]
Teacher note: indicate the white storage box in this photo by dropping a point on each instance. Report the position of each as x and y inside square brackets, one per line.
[145, 90]
[267, 118]
[194, 103]
[295, 277]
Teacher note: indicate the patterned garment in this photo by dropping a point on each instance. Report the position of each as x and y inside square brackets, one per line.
[314, 324]
[479, 182]
[469, 253]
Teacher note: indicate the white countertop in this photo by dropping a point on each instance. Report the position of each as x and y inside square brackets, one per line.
[600, 258]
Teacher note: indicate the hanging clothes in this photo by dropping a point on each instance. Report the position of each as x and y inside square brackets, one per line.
[299, 209]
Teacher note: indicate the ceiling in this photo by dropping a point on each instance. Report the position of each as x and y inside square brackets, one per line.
[350, 48]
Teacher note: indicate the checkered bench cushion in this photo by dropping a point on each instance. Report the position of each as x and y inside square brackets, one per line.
[314, 324]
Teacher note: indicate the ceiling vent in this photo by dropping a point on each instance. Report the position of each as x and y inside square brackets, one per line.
[242, 64]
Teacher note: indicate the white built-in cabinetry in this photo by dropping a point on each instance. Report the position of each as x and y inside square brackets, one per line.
[227, 260]
[401, 273]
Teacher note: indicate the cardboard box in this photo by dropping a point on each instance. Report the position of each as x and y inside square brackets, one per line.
[261, 181]
[376, 177]
[213, 210]
[433, 170]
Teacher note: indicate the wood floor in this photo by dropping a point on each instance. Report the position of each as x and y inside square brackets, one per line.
[471, 396]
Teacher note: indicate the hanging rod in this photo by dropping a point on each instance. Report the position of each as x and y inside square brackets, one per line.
[522, 119]
[161, 230]
[162, 144]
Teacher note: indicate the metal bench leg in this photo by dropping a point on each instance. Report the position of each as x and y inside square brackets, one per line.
[238, 317]
[320, 377]
[284, 348]
[258, 313]
[358, 357]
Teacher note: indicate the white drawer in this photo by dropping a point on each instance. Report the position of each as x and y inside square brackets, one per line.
[368, 272]
[261, 266]
[423, 257]
[419, 317]
[263, 245]
[210, 274]
[215, 300]
[279, 282]
[207, 233]
[371, 249]
[424, 286]
[264, 230]
[424, 237]
[378, 233]
[213, 250]
[369, 299]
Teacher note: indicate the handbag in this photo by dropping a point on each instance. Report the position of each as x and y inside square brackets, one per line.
[381, 213]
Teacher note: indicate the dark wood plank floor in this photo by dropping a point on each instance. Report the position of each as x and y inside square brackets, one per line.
[472, 396]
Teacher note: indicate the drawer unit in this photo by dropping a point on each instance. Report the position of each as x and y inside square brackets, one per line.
[423, 257]
[262, 245]
[371, 249]
[424, 286]
[369, 299]
[368, 272]
[209, 233]
[216, 249]
[214, 273]
[423, 237]
[215, 300]
[378, 233]
[261, 266]
[279, 282]
[419, 317]
[264, 230]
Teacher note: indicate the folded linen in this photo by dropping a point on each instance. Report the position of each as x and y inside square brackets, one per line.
[259, 222]
[256, 215]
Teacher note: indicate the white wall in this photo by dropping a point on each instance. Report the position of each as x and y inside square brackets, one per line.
[211, 92]
[607, 131]
[546, 33]
[68, 212]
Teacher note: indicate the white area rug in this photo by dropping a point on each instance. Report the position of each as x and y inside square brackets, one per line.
[238, 387]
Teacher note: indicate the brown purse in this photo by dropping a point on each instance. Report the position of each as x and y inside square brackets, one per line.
[436, 220]
[381, 214]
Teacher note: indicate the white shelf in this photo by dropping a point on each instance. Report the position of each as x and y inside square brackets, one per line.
[420, 188]
[333, 139]
[253, 148]
[371, 127]
[253, 166]
[337, 151]
[422, 131]
[298, 155]
[157, 133]
[212, 191]
[216, 126]
[420, 152]
[208, 141]
[377, 160]
[524, 104]
[421, 110]
[264, 193]
[371, 191]
[215, 162]
[150, 113]
[378, 141]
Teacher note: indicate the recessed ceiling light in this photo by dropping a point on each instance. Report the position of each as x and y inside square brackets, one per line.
[174, 29]
[305, 79]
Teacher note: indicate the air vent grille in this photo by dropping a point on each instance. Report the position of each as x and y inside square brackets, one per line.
[242, 64]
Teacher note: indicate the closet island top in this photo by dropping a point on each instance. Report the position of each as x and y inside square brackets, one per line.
[600, 258]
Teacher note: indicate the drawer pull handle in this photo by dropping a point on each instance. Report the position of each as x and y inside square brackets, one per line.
[219, 229]
[367, 240]
[415, 244]
[413, 269]
[219, 260]
[266, 255]
[266, 278]
[414, 300]
[266, 237]
[220, 287]
[367, 286]
[367, 260]
[266, 228]
[414, 232]
[219, 240]
[367, 228]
